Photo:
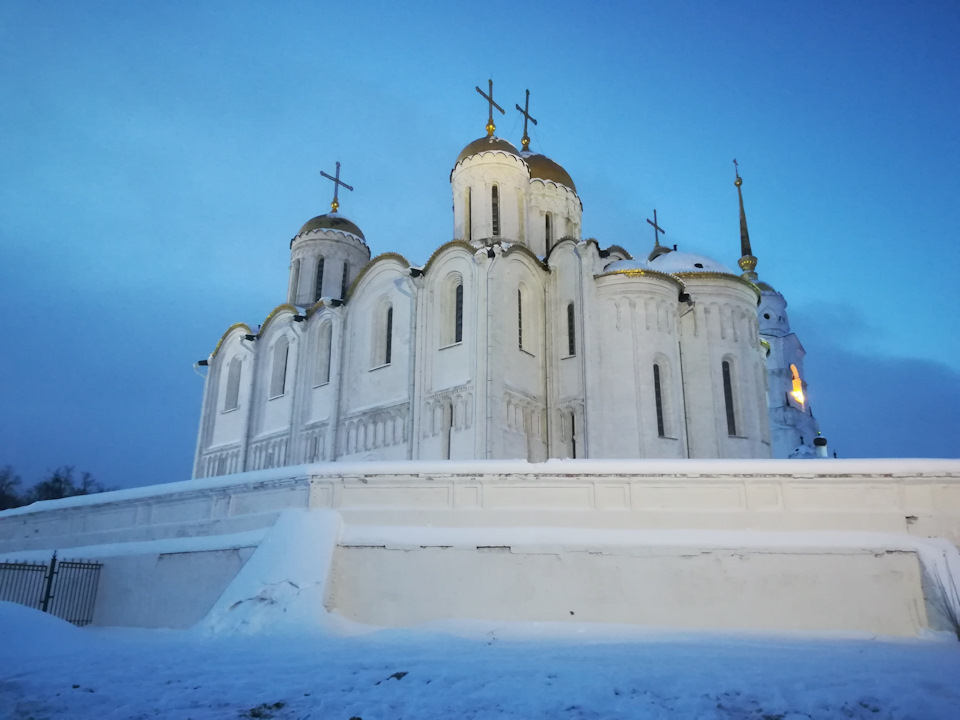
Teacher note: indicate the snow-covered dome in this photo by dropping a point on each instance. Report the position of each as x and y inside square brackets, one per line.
[488, 143]
[543, 168]
[331, 221]
[676, 261]
[621, 265]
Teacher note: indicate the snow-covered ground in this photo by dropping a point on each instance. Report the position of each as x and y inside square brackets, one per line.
[49, 669]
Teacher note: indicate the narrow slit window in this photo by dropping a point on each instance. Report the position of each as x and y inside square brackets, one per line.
[495, 208]
[573, 435]
[458, 319]
[467, 220]
[343, 282]
[318, 285]
[233, 385]
[571, 331]
[658, 396]
[323, 354]
[278, 378]
[389, 338]
[294, 281]
[520, 319]
[447, 430]
[728, 399]
[548, 231]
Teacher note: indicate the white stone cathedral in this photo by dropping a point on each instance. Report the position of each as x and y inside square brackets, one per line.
[517, 339]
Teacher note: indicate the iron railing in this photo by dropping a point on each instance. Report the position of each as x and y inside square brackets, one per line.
[65, 588]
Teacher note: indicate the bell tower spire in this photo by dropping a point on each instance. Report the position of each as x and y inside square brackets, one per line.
[747, 262]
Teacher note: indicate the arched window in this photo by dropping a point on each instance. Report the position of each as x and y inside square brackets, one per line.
[294, 280]
[548, 230]
[323, 353]
[232, 398]
[728, 400]
[318, 284]
[495, 209]
[797, 391]
[278, 376]
[467, 220]
[343, 281]
[572, 422]
[571, 331]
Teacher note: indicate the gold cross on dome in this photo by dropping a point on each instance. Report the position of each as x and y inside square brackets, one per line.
[337, 182]
[525, 110]
[490, 126]
[657, 230]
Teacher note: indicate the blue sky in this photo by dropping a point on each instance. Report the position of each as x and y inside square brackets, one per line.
[156, 159]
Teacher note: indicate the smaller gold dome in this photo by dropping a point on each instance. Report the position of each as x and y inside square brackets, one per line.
[331, 221]
[543, 168]
[487, 144]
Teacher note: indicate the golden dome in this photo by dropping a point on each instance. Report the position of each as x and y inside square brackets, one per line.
[331, 221]
[486, 144]
[543, 168]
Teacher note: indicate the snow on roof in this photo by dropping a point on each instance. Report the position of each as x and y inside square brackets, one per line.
[627, 265]
[677, 261]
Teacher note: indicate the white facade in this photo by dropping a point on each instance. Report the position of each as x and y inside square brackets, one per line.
[518, 339]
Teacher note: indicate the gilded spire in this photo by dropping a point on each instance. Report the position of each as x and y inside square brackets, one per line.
[489, 98]
[748, 262]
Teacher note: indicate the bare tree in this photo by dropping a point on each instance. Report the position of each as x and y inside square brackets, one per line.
[61, 484]
[9, 489]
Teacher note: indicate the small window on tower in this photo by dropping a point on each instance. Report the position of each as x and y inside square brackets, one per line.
[495, 208]
[318, 289]
[294, 281]
[343, 281]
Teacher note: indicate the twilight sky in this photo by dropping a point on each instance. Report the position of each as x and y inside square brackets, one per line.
[156, 159]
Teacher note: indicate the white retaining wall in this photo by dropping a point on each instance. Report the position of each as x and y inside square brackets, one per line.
[812, 545]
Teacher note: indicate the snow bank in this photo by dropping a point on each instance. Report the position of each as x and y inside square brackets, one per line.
[281, 587]
[24, 629]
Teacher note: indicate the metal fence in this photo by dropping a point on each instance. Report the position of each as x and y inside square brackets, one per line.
[65, 588]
